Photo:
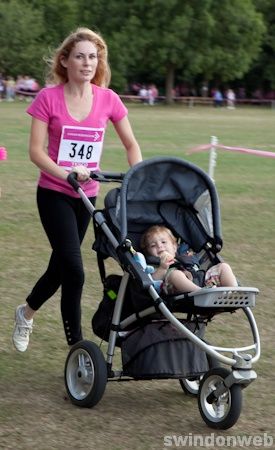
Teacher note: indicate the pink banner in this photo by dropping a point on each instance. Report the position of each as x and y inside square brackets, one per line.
[205, 147]
[3, 153]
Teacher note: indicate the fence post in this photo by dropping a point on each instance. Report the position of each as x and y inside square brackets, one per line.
[212, 157]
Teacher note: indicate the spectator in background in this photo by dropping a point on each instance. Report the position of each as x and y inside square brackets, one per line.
[2, 87]
[230, 98]
[134, 88]
[152, 94]
[26, 87]
[241, 92]
[10, 89]
[218, 98]
[19, 87]
[204, 90]
[143, 93]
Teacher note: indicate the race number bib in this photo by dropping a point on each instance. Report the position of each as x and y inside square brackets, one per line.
[80, 146]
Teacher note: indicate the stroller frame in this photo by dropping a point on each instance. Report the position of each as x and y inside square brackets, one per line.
[86, 365]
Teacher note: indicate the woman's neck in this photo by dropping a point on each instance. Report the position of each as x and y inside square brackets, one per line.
[78, 90]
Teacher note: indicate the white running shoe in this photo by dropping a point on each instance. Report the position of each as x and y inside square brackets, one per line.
[22, 330]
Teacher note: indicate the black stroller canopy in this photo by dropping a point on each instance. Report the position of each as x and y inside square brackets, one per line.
[167, 191]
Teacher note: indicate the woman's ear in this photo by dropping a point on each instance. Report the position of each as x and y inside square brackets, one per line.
[63, 62]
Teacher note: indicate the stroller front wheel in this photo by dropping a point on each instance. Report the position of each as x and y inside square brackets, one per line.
[224, 411]
[85, 374]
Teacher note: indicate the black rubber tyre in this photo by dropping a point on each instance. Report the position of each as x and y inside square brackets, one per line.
[191, 385]
[85, 374]
[224, 412]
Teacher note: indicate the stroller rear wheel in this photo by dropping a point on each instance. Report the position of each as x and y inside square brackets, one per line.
[191, 385]
[221, 412]
[85, 374]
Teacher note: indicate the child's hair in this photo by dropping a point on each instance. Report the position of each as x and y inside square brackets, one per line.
[155, 229]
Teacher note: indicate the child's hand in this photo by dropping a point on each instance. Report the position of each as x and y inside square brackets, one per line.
[166, 259]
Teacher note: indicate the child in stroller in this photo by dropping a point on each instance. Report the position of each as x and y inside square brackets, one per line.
[157, 342]
[160, 242]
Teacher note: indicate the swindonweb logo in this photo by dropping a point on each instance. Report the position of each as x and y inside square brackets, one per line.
[222, 441]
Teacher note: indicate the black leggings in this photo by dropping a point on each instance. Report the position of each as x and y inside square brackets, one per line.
[65, 220]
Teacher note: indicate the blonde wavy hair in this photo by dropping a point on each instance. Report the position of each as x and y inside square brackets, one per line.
[58, 73]
[152, 231]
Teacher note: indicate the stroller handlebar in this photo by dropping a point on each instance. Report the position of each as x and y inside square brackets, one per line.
[102, 177]
[107, 176]
[71, 178]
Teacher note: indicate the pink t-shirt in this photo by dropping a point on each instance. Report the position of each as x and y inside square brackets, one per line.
[50, 107]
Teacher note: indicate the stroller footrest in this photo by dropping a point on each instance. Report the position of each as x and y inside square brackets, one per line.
[225, 297]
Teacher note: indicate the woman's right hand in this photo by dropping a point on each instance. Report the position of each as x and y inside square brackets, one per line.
[83, 174]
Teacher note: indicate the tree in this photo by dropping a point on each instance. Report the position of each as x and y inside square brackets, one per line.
[20, 39]
[108, 17]
[157, 39]
[28, 37]
[60, 18]
[263, 71]
[191, 37]
[236, 38]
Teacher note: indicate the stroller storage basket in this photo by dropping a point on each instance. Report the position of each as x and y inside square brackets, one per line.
[225, 297]
[158, 350]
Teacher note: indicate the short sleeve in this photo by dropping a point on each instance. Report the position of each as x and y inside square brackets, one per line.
[40, 107]
[119, 110]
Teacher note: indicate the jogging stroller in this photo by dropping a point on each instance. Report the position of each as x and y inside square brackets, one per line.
[162, 336]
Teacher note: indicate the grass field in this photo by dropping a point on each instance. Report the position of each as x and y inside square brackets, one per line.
[34, 413]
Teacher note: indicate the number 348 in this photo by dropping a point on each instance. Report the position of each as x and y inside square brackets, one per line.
[83, 151]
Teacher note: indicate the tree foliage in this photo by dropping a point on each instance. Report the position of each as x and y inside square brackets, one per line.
[21, 38]
[59, 18]
[151, 39]
[192, 37]
[166, 36]
[264, 66]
